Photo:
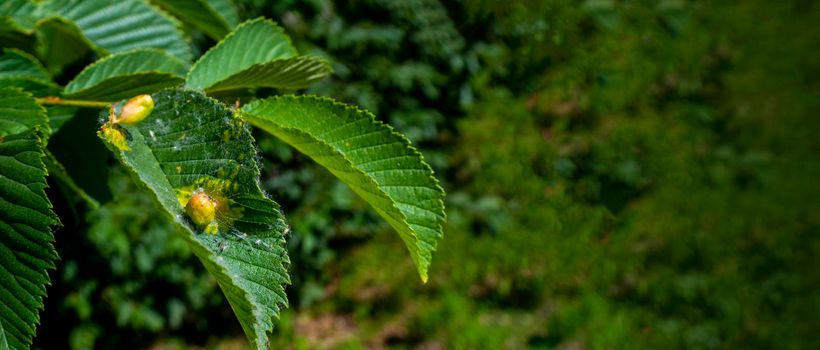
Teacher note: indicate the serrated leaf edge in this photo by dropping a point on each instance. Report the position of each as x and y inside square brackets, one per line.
[212, 11]
[256, 311]
[53, 16]
[230, 35]
[325, 63]
[103, 99]
[40, 131]
[423, 270]
[115, 55]
[31, 59]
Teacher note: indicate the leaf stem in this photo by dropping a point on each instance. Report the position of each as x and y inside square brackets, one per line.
[54, 100]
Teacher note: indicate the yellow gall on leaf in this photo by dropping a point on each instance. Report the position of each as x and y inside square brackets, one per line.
[136, 109]
[201, 209]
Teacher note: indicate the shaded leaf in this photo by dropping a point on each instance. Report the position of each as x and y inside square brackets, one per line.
[21, 70]
[18, 64]
[19, 14]
[123, 25]
[288, 73]
[11, 37]
[125, 75]
[227, 9]
[191, 143]
[215, 18]
[4, 344]
[60, 43]
[256, 54]
[26, 242]
[377, 163]
[35, 87]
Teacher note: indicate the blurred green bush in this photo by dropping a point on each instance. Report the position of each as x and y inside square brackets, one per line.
[621, 174]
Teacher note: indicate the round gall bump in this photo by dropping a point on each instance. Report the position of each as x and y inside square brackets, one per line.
[136, 109]
[201, 209]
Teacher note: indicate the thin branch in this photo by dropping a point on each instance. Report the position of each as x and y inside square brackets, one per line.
[54, 100]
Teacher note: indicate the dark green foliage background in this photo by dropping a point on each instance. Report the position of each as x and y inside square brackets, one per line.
[624, 174]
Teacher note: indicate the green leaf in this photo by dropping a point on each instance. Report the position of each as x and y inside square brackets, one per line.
[123, 25]
[19, 14]
[227, 9]
[18, 19]
[125, 75]
[288, 73]
[18, 116]
[21, 70]
[256, 54]
[191, 142]
[26, 242]
[11, 37]
[35, 87]
[18, 64]
[213, 17]
[4, 344]
[377, 163]
[60, 43]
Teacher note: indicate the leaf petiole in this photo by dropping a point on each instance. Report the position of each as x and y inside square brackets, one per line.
[54, 100]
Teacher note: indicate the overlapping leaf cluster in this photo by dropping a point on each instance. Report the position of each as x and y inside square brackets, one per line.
[191, 142]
